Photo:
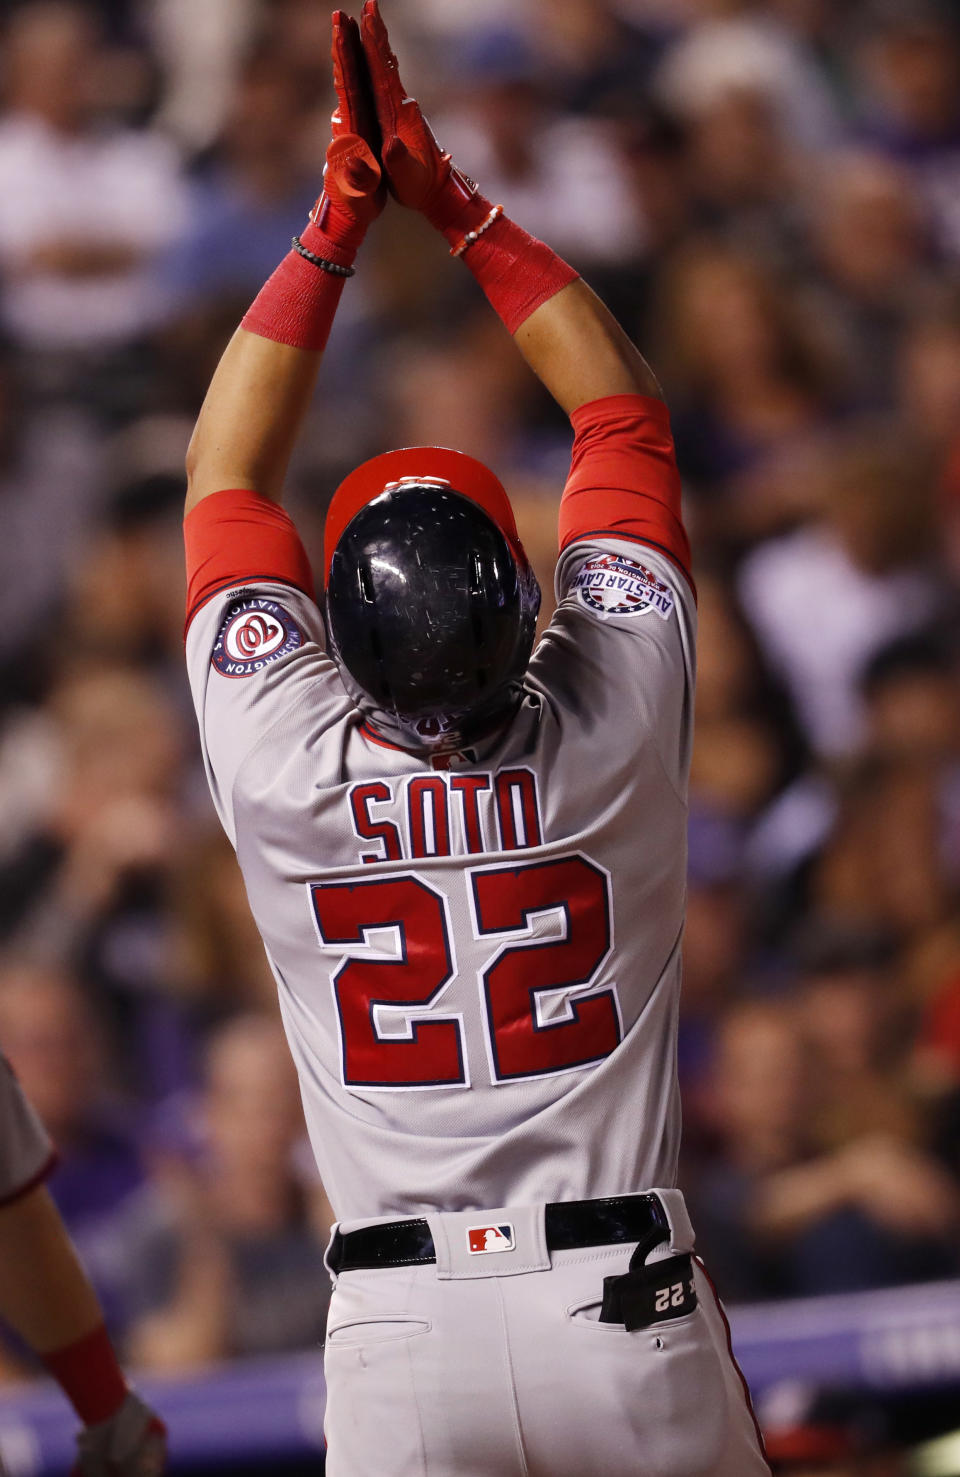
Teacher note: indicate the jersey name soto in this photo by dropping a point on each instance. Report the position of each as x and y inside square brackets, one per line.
[445, 814]
[613, 585]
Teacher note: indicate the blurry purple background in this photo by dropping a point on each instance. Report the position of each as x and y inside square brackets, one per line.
[768, 195]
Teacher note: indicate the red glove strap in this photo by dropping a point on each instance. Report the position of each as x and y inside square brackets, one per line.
[298, 303]
[457, 207]
[517, 272]
[90, 1377]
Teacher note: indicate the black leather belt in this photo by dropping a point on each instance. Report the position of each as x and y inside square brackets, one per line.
[568, 1224]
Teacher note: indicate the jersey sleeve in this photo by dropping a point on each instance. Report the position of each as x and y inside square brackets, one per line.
[618, 659]
[255, 641]
[624, 481]
[26, 1154]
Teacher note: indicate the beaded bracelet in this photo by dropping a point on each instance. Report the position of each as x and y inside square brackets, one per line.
[473, 236]
[333, 268]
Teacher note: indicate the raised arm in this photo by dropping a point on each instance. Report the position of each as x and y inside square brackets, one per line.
[257, 399]
[577, 348]
[251, 417]
[567, 336]
[623, 481]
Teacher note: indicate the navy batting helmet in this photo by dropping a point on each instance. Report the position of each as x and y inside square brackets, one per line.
[431, 604]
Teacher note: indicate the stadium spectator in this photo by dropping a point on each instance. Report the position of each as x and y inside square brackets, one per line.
[929, 377]
[870, 241]
[84, 283]
[912, 699]
[748, 380]
[743, 178]
[852, 1015]
[124, 602]
[909, 63]
[106, 811]
[741, 752]
[562, 174]
[881, 864]
[224, 1256]
[597, 60]
[199, 50]
[777, 1214]
[872, 555]
[219, 966]
[420, 388]
[743, 47]
[52, 1041]
[51, 478]
[249, 188]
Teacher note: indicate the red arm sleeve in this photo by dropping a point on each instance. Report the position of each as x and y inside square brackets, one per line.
[623, 479]
[238, 537]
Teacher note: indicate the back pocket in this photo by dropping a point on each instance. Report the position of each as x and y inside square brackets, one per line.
[377, 1328]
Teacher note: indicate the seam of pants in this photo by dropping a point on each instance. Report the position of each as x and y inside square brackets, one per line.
[411, 1288]
[514, 1404]
[744, 1387]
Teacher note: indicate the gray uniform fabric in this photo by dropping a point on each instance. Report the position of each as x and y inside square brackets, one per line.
[500, 942]
[604, 736]
[25, 1148]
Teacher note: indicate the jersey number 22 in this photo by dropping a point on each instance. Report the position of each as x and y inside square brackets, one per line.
[523, 977]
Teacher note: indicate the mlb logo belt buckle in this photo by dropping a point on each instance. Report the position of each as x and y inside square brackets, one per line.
[483, 1240]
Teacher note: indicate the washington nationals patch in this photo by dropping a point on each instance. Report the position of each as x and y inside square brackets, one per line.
[609, 584]
[254, 634]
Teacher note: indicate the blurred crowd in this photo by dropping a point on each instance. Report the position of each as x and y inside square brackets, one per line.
[768, 195]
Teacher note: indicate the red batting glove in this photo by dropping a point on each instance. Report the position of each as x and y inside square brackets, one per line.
[420, 174]
[517, 272]
[354, 192]
[297, 305]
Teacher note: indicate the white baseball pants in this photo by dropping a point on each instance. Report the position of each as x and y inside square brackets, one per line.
[497, 1366]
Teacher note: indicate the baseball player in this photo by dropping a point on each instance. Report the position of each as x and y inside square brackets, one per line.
[466, 859]
[46, 1297]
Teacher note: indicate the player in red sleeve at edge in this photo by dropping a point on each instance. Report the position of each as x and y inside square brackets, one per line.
[48, 1300]
[466, 859]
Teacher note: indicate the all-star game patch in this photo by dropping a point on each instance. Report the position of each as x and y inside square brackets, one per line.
[255, 632]
[609, 584]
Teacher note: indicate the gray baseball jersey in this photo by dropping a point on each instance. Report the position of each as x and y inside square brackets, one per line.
[478, 966]
[26, 1153]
